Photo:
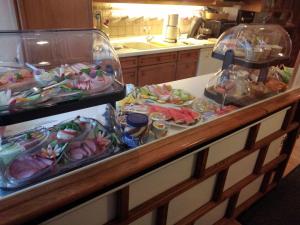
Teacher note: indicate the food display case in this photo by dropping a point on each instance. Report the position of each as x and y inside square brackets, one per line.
[45, 73]
[254, 46]
[41, 71]
[250, 54]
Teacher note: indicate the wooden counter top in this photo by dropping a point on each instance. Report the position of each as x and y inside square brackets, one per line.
[64, 191]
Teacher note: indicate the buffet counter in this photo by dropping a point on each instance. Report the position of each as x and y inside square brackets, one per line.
[204, 174]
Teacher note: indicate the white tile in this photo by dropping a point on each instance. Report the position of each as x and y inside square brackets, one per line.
[226, 147]
[240, 170]
[274, 150]
[250, 190]
[159, 181]
[192, 199]
[271, 124]
[97, 211]
[213, 215]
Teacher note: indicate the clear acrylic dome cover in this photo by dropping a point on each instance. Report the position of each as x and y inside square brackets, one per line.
[23, 53]
[255, 43]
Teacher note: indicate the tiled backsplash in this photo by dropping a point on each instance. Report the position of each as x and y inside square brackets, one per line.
[137, 20]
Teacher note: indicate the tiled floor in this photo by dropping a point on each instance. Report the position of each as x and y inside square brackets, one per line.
[294, 159]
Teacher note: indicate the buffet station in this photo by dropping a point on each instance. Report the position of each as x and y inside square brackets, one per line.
[78, 144]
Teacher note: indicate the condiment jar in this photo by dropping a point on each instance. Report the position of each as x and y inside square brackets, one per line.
[136, 130]
[158, 126]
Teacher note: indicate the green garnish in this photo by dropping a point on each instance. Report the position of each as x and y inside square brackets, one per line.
[28, 136]
[86, 70]
[70, 125]
[99, 73]
[18, 76]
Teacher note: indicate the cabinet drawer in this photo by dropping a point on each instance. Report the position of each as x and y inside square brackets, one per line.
[156, 74]
[128, 62]
[157, 58]
[130, 76]
[189, 55]
[186, 70]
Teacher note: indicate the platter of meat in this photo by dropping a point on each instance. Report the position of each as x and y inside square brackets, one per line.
[80, 77]
[161, 94]
[70, 144]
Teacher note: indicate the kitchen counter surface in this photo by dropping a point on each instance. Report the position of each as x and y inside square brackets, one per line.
[157, 45]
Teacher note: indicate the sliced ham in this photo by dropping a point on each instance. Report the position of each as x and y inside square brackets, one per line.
[88, 148]
[26, 166]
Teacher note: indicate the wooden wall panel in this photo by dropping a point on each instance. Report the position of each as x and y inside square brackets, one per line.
[190, 200]
[250, 190]
[54, 14]
[226, 147]
[160, 181]
[240, 170]
[271, 124]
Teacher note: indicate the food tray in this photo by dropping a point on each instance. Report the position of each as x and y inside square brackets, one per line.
[252, 64]
[230, 100]
[13, 176]
[53, 108]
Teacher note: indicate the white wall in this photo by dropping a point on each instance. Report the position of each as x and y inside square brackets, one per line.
[8, 18]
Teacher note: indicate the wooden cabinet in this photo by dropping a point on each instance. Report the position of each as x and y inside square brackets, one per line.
[129, 69]
[160, 68]
[157, 58]
[130, 76]
[186, 70]
[156, 74]
[54, 14]
[187, 64]
[188, 56]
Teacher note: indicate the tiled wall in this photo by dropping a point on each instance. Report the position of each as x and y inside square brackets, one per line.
[122, 23]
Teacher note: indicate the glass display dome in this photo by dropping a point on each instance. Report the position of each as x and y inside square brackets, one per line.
[255, 43]
[46, 67]
[240, 86]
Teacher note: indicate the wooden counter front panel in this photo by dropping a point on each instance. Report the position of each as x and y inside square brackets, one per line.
[156, 74]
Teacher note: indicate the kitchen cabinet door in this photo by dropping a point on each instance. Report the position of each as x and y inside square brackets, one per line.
[130, 76]
[186, 70]
[156, 74]
[54, 14]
